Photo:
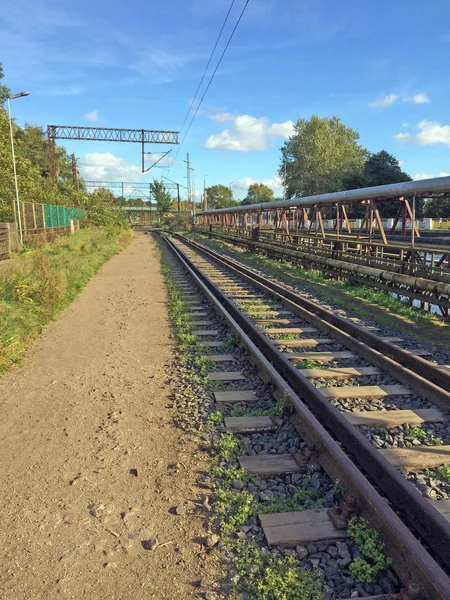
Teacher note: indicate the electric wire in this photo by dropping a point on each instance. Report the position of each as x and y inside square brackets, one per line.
[211, 79]
[209, 62]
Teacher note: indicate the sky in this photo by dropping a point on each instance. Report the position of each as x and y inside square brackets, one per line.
[382, 67]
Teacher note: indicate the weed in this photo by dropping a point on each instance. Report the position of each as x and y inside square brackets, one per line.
[442, 473]
[366, 570]
[416, 433]
[301, 499]
[247, 411]
[267, 577]
[308, 363]
[228, 446]
[235, 508]
[215, 417]
[229, 342]
[227, 475]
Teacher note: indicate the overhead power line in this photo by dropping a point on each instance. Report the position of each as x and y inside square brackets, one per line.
[209, 62]
[212, 77]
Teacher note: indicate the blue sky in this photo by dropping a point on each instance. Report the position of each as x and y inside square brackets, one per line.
[383, 67]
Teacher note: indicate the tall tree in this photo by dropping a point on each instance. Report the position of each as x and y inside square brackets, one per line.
[162, 197]
[380, 168]
[319, 156]
[219, 196]
[4, 90]
[437, 207]
[257, 194]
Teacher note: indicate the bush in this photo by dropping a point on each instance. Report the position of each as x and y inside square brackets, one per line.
[179, 222]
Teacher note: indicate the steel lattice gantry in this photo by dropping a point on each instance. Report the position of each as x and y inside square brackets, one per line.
[105, 134]
[134, 185]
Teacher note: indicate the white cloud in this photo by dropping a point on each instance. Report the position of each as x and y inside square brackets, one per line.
[431, 132]
[93, 116]
[386, 101]
[107, 167]
[249, 133]
[154, 157]
[48, 92]
[417, 99]
[222, 117]
[420, 99]
[419, 176]
[392, 98]
[240, 186]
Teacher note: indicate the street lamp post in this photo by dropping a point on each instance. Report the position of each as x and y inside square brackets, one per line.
[17, 208]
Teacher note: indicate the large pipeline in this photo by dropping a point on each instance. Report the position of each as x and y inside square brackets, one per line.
[422, 188]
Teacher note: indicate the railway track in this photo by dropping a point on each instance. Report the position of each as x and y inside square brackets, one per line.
[387, 273]
[283, 332]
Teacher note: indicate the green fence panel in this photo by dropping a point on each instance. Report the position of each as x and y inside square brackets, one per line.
[60, 216]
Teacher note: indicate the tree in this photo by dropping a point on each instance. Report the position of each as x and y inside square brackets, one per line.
[437, 207]
[380, 168]
[103, 209]
[257, 194]
[162, 197]
[319, 156]
[4, 90]
[220, 196]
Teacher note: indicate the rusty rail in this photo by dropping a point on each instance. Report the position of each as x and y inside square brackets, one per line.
[417, 569]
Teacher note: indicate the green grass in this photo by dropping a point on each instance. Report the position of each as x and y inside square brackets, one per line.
[43, 281]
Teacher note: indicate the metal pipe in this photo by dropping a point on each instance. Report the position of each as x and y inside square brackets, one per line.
[436, 185]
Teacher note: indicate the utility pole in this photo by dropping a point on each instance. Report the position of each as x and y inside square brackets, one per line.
[178, 191]
[193, 190]
[205, 196]
[74, 173]
[189, 181]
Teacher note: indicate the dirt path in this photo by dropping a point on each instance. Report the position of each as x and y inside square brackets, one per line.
[88, 408]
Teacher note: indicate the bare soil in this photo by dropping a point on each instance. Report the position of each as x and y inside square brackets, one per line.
[91, 465]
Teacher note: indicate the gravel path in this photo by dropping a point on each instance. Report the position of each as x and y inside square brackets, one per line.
[90, 462]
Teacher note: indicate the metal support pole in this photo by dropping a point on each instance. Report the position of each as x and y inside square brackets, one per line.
[143, 152]
[413, 224]
[19, 219]
[178, 198]
[74, 173]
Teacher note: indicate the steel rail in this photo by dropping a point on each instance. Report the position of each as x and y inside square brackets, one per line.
[422, 516]
[424, 187]
[416, 364]
[425, 290]
[413, 563]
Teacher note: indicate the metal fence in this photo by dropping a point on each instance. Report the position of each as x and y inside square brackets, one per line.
[38, 217]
